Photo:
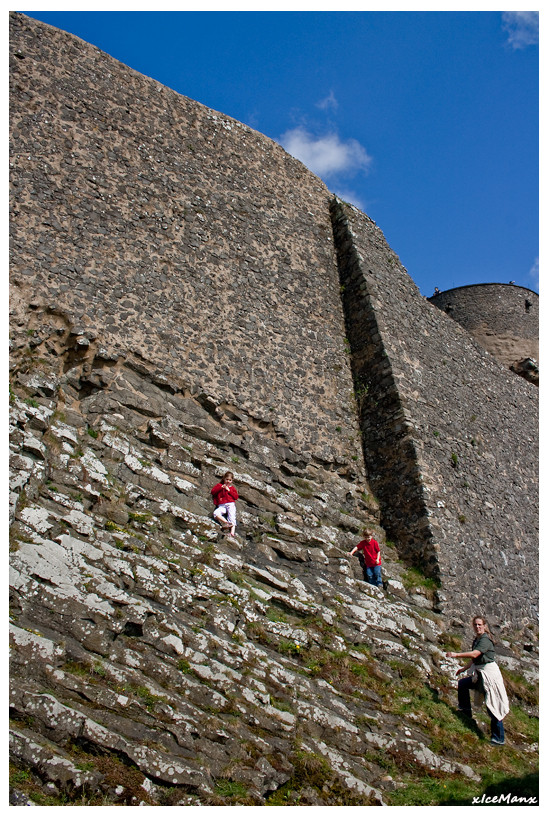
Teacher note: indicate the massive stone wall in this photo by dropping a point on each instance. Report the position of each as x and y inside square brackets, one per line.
[162, 229]
[503, 318]
[450, 435]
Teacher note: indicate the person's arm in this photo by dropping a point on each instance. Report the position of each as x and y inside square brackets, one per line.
[471, 654]
[233, 492]
[215, 489]
[353, 551]
[464, 667]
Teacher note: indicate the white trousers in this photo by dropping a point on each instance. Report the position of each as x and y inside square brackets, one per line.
[227, 512]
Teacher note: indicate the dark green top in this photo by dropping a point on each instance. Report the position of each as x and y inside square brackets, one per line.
[484, 644]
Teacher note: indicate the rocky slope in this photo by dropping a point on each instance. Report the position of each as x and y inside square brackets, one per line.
[155, 661]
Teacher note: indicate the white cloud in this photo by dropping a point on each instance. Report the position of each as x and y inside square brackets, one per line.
[326, 155]
[522, 28]
[329, 101]
[534, 271]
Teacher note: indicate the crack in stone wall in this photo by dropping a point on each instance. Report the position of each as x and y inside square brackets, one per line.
[391, 460]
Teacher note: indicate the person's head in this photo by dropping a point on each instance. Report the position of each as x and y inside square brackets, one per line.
[480, 626]
[367, 532]
[227, 478]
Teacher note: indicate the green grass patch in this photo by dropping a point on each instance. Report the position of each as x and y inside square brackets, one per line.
[523, 727]
[275, 615]
[433, 792]
[313, 772]
[207, 555]
[304, 488]
[450, 642]
[288, 647]
[405, 669]
[237, 578]
[150, 700]
[450, 790]
[140, 517]
[281, 704]
[414, 578]
[519, 687]
[230, 789]
[111, 526]
[80, 669]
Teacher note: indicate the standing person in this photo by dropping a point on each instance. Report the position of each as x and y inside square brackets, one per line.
[224, 495]
[484, 677]
[371, 558]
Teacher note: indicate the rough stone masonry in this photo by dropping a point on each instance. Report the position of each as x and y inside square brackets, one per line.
[450, 434]
[187, 298]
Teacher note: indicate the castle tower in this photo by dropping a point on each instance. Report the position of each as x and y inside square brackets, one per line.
[504, 318]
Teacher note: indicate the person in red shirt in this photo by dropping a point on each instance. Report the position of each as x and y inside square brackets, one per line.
[224, 495]
[371, 558]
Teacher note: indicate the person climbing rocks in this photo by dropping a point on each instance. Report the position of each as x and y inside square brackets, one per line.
[370, 557]
[484, 678]
[224, 496]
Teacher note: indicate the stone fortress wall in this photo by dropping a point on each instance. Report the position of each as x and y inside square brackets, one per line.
[151, 230]
[450, 436]
[504, 318]
[164, 230]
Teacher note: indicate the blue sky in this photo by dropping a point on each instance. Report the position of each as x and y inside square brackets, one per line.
[427, 121]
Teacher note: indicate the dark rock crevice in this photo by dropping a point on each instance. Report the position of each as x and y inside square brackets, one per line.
[389, 449]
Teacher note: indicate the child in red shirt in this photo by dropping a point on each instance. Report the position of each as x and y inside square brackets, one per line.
[224, 495]
[371, 558]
